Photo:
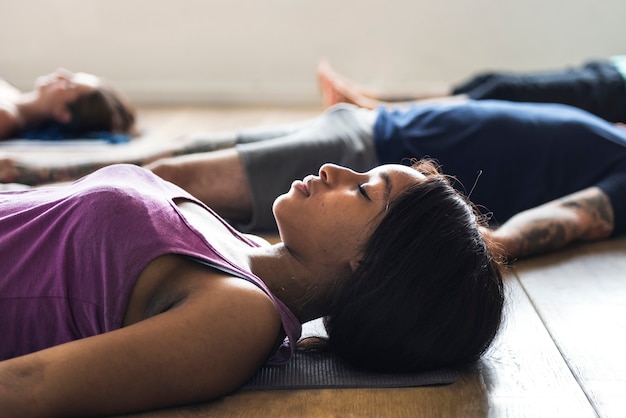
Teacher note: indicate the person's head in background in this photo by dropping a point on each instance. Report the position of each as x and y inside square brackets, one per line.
[79, 102]
[86, 103]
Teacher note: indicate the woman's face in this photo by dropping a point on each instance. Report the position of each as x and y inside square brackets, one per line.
[63, 79]
[328, 218]
[61, 88]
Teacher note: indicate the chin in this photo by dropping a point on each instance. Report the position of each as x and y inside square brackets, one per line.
[281, 203]
[277, 207]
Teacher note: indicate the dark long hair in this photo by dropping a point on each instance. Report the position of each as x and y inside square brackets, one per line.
[428, 292]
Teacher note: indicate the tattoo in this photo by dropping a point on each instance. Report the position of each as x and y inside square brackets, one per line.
[543, 236]
[41, 175]
[597, 207]
[582, 216]
[37, 175]
[15, 171]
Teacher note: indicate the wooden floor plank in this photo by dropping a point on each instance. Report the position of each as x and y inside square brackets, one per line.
[580, 295]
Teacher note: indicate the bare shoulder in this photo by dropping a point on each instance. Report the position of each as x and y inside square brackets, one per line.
[234, 308]
[242, 299]
[221, 331]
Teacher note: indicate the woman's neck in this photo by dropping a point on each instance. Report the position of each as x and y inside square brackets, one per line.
[31, 108]
[304, 291]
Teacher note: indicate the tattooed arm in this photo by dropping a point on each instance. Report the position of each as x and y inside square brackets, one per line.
[582, 216]
[16, 170]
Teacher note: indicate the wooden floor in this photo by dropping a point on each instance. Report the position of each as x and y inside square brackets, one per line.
[560, 353]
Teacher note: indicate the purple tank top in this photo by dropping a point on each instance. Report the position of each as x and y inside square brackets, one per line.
[70, 256]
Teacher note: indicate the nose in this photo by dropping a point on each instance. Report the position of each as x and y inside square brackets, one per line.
[59, 75]
[63, 73]
[333, 173]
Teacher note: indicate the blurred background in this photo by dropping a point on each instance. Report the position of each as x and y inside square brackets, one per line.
[265, 52]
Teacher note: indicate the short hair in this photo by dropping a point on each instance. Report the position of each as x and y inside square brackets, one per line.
[104, 109]
[428, 292]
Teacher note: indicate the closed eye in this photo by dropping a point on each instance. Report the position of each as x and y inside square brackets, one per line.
[363, 192]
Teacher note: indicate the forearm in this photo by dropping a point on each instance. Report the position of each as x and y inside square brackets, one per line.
[16, 389]
[33, 173]
[583, 216]
[521, 238]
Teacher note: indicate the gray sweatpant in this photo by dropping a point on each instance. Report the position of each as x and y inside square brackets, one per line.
[274, 158]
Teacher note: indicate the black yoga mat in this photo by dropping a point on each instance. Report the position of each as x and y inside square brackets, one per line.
[310, 370]
[324, 370]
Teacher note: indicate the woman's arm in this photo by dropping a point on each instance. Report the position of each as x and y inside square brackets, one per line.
[582, 216]
[203, 348]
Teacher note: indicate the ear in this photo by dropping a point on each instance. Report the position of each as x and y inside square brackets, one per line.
[354, 263]
[63, 115]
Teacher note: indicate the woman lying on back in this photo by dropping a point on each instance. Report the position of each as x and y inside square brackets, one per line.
[64, 104]
[121, 292]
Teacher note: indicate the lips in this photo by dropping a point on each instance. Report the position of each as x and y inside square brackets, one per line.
[302, 187]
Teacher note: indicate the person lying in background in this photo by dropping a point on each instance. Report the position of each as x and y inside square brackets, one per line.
[547, 175]
[65, 105]
[125, 293]
[598, 87]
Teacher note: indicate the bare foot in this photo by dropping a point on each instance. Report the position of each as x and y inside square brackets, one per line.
[336, 89]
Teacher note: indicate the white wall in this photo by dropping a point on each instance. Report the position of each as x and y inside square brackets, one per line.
[223, 51]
